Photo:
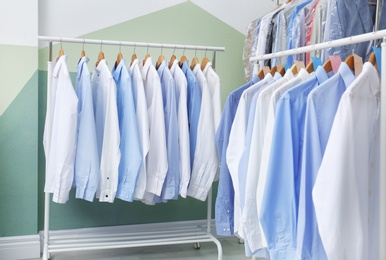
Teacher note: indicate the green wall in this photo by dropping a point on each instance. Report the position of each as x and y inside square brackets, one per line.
[18, 163]
[182, 24]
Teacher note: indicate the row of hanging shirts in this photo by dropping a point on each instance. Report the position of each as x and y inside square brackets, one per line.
[299, 162]
[306, 22]
[138, 132]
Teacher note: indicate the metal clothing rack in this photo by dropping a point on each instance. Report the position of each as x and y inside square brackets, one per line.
[347, 41]
[192, 234]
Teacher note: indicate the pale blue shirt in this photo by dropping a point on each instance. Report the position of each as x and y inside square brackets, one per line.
[279, 207]
[171, 185]
[131, 155]
[322, 104]
[87, 172]
[224, 209]
[194, 106]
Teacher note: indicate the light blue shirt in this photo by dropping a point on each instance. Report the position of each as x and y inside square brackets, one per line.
[279, 207]
[87, 173]
[171, 184]
[224, 209]
[194, 106]
[131, 155]
[322, 104]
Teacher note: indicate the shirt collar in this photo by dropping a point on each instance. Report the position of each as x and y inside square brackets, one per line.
[303, 74]
[321, 75]
[209, 64]
[346, 74]
[255, 79]
[101, 66]
[116, 71]
[288, 75]
[146, 67]
[174, 66]
[374, 80]
[277, 76]
[196, 68]
[185, 66]
[133, 64]
[83, 60]
[161, 68]
[62, 59]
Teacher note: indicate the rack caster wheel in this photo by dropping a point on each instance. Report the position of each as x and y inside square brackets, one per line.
[241, 241]
[197, 246]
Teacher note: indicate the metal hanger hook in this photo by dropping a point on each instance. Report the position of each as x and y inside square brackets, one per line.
[206, 49]
[183, 53]
[134, 47]
[101, 44]
[120, 47]
[147, 48]
[162, 48]
[61, 46]
[195, 53]
[83, 44]
[174, 49]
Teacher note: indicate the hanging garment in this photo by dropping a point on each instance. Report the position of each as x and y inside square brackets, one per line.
[157, 161]
[107, 130]
[319, 27]
[131, 156]
[346, 190]
[171, 185]
[250, 47]
[139, 99]
[251, 101]
[194, 106]
[237, 139]
[181, 85]
[252, 228]
[224, 209]
[87, 173]
[322, 104]
[59, 138]
[214, 86]
[205, 162]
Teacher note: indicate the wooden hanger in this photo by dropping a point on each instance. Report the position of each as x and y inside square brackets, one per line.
[182, 60]
[327, 66]
[310, 67]
[297, 66]
[161, 58]
[279, 69]
[119, 58]
[101, 56]
[372, 59]
[204, 61]
[172, 59]
[263, 72]
[61, 51]
[195, 61]
[133, 57]
[350, 62]
[146, 56]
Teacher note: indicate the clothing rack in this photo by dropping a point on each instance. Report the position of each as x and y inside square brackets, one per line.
[194, 234]
[382, 178]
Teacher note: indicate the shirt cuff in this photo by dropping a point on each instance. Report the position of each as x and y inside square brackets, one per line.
[224, 229]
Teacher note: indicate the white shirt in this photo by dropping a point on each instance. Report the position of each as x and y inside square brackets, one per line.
[346, 191]
[107, 130]
[183, 125]
[237, 138]
[157, 161]
[59, 138]
[143, 125]
[214, 86]
[250, 217]
[205, 157]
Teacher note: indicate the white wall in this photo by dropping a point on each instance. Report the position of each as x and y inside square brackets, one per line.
[19, 22]
[72, 18]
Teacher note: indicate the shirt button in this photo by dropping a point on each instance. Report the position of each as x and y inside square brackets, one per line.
[108, 178]
[225, 229]
[107, 196]
[228, 211]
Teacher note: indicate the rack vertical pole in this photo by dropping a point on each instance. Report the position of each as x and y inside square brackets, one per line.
[47, 194]
[382, 172]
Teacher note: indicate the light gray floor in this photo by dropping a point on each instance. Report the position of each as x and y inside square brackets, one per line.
[232, 250]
